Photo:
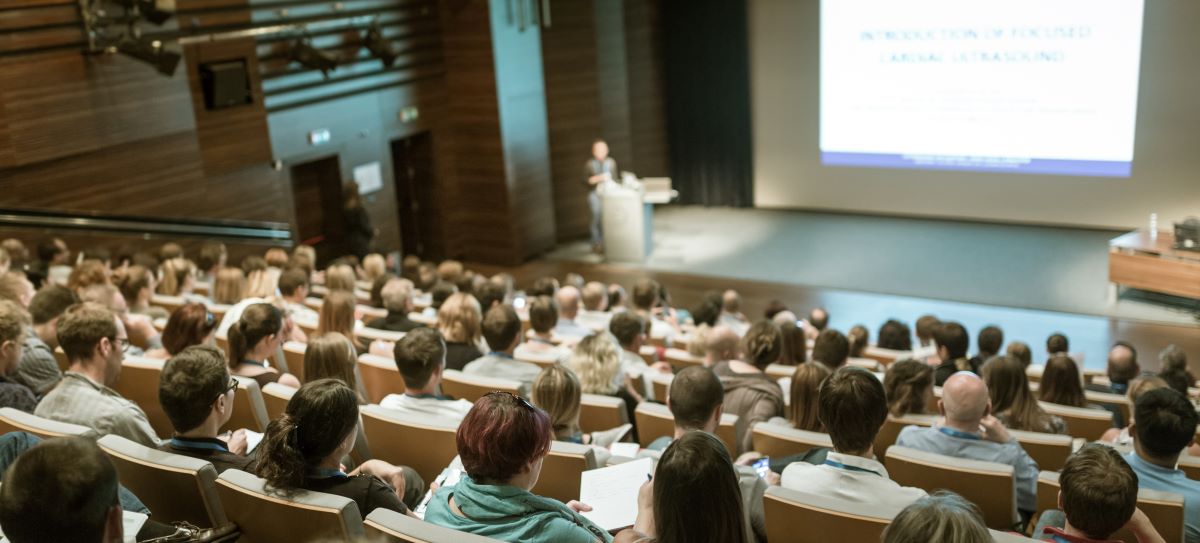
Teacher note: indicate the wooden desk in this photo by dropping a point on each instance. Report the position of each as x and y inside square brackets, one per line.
[1136, 260]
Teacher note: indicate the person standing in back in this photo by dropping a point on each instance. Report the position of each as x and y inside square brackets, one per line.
[359, 232]
[597, 170]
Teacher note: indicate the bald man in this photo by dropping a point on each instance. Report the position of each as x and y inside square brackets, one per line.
[568, 310]
[968, 430]
[1122, 368]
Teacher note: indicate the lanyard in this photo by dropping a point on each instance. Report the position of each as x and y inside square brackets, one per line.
[958, 433]
[840, 465]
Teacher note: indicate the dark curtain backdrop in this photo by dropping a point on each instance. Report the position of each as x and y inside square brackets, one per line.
[707, 72]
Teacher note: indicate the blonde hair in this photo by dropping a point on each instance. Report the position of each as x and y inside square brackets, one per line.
[88, 273]
[373, 266]
[262, 283]
[805, 401]
[596, 362]
[557, 392]
[175, 273]
[331, 356]
[460, 319]
[340, 277]
[276, 257]
[337, 314]
[229, 287]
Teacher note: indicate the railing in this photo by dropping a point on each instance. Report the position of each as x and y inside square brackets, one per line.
[275, 233]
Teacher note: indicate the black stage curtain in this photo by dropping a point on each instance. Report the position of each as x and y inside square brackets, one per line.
[707, 79]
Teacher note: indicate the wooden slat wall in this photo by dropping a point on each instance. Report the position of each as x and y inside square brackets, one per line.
[647, 114]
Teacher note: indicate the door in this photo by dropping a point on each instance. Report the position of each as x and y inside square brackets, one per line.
[412, 159]
[317, 194]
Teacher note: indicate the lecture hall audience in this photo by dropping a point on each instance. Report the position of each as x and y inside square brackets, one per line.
[13, 323]
[38, 369]
[502, 330]
[196, 393]
[1164, 425]
[908, 384]
[256, 336]
[952, 343]
[460, 321]
[1013, 403]
[749, 392]
[421, 358]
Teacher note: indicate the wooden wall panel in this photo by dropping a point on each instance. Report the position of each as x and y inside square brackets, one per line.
[647, 112]
[234, 137]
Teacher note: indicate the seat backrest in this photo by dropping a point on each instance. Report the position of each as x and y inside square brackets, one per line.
[60, 356]
[367, 335]
[170, 303]
[387, 525]
[175, 487]
[561, 470]
[654, 420]
[139, 384]
[305, 516]
[598, 412]
[15, 420]
[276, 398]
[222, 342]
[1087, 423]
[249, 410]
[780, 371]
[649, 354]
[884, 356]
[542, 359]
[1111, 401]
[380, 377]
[1164, 509]
[988, 484]
[293, 354]
[1190, 465]
[801, 517]
[423, 443]
[1050, 451]
[891, 430]
[472, 387]
[777, 440]
[660, 383]
[679, 358]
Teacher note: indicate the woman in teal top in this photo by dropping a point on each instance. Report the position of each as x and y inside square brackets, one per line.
[502, 443]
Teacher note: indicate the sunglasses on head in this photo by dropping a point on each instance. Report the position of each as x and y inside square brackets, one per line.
[519, 400]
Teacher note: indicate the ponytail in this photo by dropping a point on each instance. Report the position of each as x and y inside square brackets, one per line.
[317, 420]
[237, 344]
[257, 322]
[280, 461]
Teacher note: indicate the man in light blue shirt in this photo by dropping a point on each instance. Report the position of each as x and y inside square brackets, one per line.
[568, 310]
[502, 331]
[970, 431]
[1163, 425]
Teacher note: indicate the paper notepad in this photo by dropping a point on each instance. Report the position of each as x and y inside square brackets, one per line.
[628, 450]
[252, 440]
[612, 492]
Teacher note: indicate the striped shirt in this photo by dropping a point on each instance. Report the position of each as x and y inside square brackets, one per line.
[79, 400]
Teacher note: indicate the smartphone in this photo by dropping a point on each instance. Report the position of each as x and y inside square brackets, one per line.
[762, 466]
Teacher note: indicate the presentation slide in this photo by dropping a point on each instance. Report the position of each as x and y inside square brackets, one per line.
[1019, 86]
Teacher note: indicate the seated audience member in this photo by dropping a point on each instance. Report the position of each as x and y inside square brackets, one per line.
[421, 357]
[1056, 344]
[630, 331]
[616, 298]
[952, 344]
[1164, 425]
[340, 277]
[1139, 386]
[332, 356]
[647, 300]
[373, 267]
[490, 295]
[795, 345]
[303, 450]
[989, 340]
[38, 369]
[852, 409]
[597, 363]
[338, 315]
[196, 393]
[460, 322]
[450, 271]
[1097, 496]
[229, 286]
[556, 391]
[1020, 350]
[774, 307]
[397, 299]
[211, 259]
[943, 516]
[1013, 402]
[14, 286]
[926, 348]
[594, 315]
[375, 295]
[543, 316]
[696, 400]
[191, 324]
[62, 489]
[857, 339]
[818, 320]
[256, 336]
[749, 392]
[568, 308]
[731, 312]
[543, 286]
[694, 496]
[139, 327]
[137, 285]
[293, 290]
[803, 405]
[831, 348]
[1122, 368]
[908, 385]
[1061, 383]
[93, 339]
[86, 274]
[13, 323]
[502, 443]
[178, 277]
[721, 345]
[970, 431]
[1174, 369]
[502, 330]
[894, 335]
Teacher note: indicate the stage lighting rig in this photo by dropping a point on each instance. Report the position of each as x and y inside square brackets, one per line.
[379, 46]
[303, 53]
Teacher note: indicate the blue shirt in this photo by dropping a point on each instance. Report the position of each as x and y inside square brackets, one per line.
[958, 444]
[1171, 480]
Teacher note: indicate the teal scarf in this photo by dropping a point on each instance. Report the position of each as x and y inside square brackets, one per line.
[509, 513]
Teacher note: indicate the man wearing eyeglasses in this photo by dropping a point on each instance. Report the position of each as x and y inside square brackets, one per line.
[94, 340]
[196, 393]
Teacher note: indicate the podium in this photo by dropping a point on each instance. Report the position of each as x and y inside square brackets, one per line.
[627, 217]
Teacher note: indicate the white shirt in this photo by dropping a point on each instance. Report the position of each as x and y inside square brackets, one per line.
[418, 405]
[234, 314]
[635, 366]
[925, 351]
[595, 320]
[504, 367]
[850, 478]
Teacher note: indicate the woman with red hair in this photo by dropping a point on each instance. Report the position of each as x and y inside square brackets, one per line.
[502, 443]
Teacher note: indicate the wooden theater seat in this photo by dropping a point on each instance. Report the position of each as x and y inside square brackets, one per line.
[380, 377]
[654, 420]
[989, 485]
[15, 420]
[891, 430]
[777, 440]
[598, 412]
[387, 525]
[306, 516]
[472, 387]
[561, 470]
[293, 354]
[1082, 422]
[1164, 509]
[423, 443]
[174, 487]
[276, 398]
[139, 384]
[249, 409]
[800, 517]
[1050, 451]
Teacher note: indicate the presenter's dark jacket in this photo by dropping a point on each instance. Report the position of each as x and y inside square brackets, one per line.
[595, 167]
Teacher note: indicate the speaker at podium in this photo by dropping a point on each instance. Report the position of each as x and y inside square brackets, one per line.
[627, 219]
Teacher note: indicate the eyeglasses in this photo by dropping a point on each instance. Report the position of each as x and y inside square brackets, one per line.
[233, 384]
[520, 400]
[121, 342]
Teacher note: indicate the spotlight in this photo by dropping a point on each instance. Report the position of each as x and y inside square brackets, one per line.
[155, 11]
[379, 46]
[311, 57]
[151, 52]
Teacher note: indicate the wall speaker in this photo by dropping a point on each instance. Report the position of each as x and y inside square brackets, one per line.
[225, 84]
